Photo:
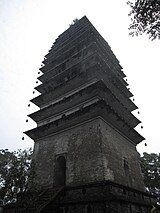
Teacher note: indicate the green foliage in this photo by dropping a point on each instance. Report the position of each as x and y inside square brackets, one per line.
[74, 21]
[15, 172]
[150, 164]
[145, 18]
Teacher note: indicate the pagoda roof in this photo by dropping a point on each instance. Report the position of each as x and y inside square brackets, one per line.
[97, 109]
[94, 46]
[82, 80]
[94, 90]
[65, 43]
[94, 72]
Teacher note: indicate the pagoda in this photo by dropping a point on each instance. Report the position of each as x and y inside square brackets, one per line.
[85, 140]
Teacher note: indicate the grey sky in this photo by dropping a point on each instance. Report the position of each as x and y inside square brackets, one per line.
[27, 30]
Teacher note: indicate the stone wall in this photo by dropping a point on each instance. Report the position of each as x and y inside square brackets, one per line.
[94, 151]
[118, 153]
[81, 147]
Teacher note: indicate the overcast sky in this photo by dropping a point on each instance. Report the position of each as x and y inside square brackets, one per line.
[27, 30]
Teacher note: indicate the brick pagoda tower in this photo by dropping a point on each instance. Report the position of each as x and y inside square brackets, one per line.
[85, 142]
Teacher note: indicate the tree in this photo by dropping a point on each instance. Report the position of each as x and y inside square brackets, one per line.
[145, 18]
[150, 164]
[15, 172]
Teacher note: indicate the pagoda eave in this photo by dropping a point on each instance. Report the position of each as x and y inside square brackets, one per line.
[37, 100]
[85, 114]
[94, 90]
[95, 70]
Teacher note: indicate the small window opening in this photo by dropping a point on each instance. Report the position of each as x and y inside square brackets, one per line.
[83, 191]
[60, 171]
[66, 210]
[125, 165]
[89, 209]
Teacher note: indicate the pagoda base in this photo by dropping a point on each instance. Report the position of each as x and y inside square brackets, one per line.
[102, 197]
[96, 197]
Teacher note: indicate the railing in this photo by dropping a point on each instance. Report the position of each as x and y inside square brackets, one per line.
[46, 197]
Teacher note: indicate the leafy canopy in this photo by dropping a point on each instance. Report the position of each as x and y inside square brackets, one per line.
[145, 18]
[150, 164]
[15, 171]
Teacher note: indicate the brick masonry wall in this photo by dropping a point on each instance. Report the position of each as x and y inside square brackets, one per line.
[94, 151]
[81, 147]
[116, 148]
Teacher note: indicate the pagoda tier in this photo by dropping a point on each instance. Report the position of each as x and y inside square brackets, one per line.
[75, 45]
[73, 33]
[77, 78]
[70, 33]
[91, 110]
[78, 98]
[64, 79]
[76, 60]
[82, 80]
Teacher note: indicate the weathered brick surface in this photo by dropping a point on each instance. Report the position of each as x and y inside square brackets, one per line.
[82, 148]
[116, 148]
[94, 151]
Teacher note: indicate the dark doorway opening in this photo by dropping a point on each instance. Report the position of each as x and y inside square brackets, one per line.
[89, 209]
[60, 171]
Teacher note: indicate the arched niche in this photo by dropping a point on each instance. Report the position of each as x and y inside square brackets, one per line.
[60, 171]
